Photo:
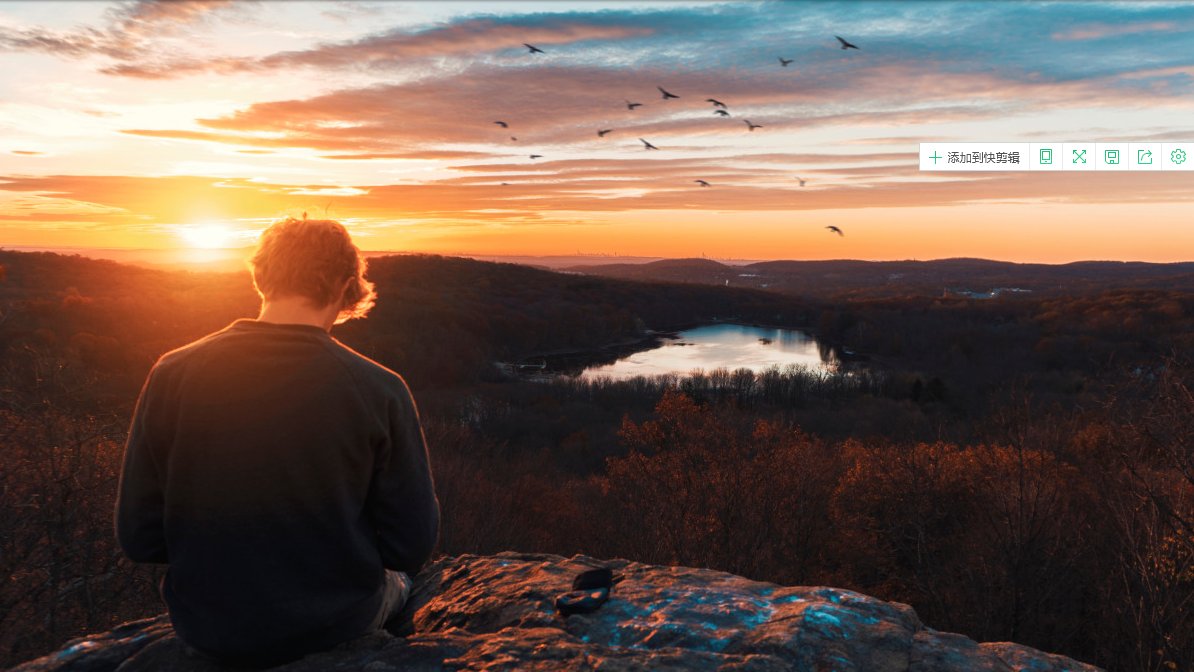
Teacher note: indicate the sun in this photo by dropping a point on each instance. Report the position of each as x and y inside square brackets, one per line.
[207, 236]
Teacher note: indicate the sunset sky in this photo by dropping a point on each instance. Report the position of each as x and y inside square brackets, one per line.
[175, 124]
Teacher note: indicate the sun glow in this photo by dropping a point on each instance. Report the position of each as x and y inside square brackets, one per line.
[207, 236]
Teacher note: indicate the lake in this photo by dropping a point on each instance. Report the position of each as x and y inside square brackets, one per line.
[729, 346]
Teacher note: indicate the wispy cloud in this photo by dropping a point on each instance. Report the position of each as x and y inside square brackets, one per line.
[1095, 31]
[346, 10]
[397, 47]
[554, 108]
[152, 16]
[538, 193]
[130, 30]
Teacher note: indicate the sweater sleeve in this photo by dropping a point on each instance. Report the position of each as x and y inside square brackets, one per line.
[402, 498]
[139, 501]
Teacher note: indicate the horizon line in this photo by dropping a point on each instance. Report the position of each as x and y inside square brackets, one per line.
[474, 255]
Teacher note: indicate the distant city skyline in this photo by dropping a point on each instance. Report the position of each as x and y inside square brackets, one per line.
[191, 125]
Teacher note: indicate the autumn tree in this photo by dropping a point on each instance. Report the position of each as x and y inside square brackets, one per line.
[703, 484]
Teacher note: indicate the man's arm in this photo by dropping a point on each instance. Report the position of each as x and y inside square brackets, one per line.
[139, 502]
[402, 498]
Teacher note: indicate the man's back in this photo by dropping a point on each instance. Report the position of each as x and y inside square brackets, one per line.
[288, 471]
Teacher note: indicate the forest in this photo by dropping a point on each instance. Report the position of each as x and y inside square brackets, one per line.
[1018, 468]
[848, 278]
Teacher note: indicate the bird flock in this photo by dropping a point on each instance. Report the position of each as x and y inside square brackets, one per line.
[720, 109]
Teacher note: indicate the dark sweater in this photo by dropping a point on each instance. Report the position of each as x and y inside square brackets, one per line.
[276, 472]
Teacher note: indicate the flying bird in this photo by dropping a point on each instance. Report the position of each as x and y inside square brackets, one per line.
[835, 230]
[721, 113]
[845, 44]
[537, 50]
[601, 133]
[502, 124]
[801, 179]
[751, 126]
[702, 183]
[716, 103]
[647, 145]
[631, 106]
[784, 61]
[666, 94]
[536, 156]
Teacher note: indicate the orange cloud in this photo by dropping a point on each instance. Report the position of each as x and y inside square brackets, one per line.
[651, 185]
[154, 15]
[551, 106]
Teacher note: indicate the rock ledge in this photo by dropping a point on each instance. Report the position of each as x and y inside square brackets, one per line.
[496, 613]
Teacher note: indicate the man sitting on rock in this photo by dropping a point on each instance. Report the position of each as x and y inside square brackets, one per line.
[282, 476]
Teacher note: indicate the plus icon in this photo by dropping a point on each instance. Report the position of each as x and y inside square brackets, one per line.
[934, 157]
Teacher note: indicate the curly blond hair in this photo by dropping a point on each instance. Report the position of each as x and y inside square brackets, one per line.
[312, 258]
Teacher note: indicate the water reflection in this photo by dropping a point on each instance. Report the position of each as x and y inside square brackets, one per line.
[728, 346]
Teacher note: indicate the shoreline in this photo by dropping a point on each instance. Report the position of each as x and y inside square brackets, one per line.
[574, 361]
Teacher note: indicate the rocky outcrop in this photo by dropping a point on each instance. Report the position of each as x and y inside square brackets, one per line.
[497, 613]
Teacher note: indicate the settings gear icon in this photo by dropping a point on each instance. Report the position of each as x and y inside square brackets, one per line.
[1178, 156]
